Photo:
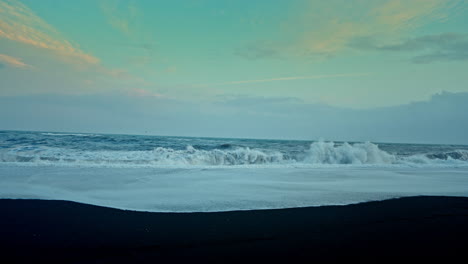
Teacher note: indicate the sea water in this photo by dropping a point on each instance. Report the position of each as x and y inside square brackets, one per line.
[181, 174]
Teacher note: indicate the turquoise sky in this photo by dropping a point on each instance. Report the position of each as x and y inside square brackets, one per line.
[331, 52]
[361, 54]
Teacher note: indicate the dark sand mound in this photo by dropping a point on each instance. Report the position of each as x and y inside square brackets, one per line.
[63, 232]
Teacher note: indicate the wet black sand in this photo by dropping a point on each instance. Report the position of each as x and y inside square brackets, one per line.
[423, 228]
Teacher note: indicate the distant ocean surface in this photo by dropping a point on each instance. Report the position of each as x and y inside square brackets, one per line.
[181, 174]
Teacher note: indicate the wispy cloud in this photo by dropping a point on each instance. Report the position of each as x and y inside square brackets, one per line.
[429, 48]
[326, 27]
[171, 69]
[120, 16]
[138, 92]
[19, 23]
[406, 14]
[343, 75]
[13, 62]
[256, 51]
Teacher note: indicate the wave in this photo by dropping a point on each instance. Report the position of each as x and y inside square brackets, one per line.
[457, 155]
[70, 134]
[319, 153]
[158, 156]
[359, 153]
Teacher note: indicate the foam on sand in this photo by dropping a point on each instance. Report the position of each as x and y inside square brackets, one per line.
[226, 189]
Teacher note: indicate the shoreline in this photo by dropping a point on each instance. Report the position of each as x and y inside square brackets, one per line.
[424, 227]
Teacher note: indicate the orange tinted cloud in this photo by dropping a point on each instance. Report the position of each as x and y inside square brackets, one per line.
[13, 62]
[401, 14]
[19, 23]
[331, 30]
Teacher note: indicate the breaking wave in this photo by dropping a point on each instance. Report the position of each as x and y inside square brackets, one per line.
[70, 134]
[359, 153]
[319, 153]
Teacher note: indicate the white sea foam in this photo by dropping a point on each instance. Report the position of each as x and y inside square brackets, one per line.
[203, 174]
[319, 153]
[71, 134]
[223, 189]
[359, 153]
[192, 156]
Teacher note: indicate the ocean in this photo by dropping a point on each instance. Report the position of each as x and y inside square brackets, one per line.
[183, 174]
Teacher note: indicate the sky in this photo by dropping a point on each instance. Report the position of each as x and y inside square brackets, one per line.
[380, 70]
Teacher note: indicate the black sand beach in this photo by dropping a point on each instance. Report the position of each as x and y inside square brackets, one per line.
[423, 228]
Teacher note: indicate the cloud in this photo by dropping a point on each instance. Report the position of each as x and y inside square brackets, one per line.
[118, 16]
[343, 75]
[247, 100]
[138, 92]
[20, 24]
[331, 39]
[259, 105]
[327, 27]
[13, 62]
[442, 119]
[403, 14]
[255, 51]
[429, 48]
[141, 60]
[147, 46]
[171, 69]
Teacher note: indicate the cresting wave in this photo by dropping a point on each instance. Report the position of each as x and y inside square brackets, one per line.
[319, 153]
[70, 134]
